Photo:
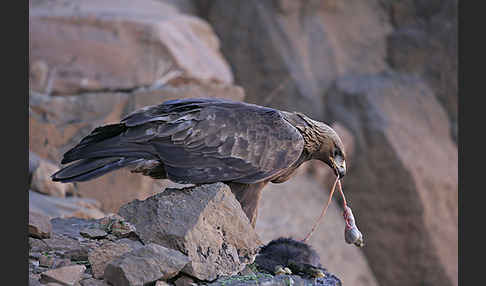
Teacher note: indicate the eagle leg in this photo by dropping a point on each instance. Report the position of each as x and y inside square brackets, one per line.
[249, 196]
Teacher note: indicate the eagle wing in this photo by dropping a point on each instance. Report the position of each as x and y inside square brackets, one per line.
[209, 140]
[196, 140]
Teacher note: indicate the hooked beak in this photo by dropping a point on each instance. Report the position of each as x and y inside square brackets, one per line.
[339, 168]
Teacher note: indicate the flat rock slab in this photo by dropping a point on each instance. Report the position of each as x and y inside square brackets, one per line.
[145, 265]
[67, 275]
[205, 222]
[39, 225]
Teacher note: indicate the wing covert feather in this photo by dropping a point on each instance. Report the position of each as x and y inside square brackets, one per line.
[209, 140]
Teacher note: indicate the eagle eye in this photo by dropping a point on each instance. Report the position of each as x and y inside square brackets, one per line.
[336, 153]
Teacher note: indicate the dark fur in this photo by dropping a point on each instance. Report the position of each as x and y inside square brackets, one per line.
[284, 252]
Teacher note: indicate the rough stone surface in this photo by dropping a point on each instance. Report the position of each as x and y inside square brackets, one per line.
[93, 282]
[39, 225]
[72, 226]
[205, 222]
[100, 256]
[92, 232]
[407, 208]
[278, 280]
[37, 245]
[286, 53]
[69, 247]
[184, 281]
[161, 283]
[145, 265]
[67, 275]
[116, 225]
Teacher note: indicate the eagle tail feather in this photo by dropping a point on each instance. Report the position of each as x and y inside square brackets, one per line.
[88, 169]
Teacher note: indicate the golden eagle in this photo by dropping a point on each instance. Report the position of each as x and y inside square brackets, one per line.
[200, 141]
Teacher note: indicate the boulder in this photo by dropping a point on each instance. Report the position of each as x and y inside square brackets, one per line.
[67, 275]
[145, 265]
[403, 180]
[286, 53]
[205, 222]
[39, 225]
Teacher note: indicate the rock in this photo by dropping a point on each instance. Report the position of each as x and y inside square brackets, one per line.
[52, 261]
[93, 282]
[204, 222]
[184, 281]
[145, 265]
[68, 275]
[161, 283]
[39, 225]
[37, 245]
[33, 281]
[54, 207]
[286, 53]
[151, 37]
[71, 226]
[116, 225]
[134, 244]
[403, 180]
[46, 261]
[42, 182]
[94, 233]
[278, 280]
[100, 256]
[68, 247]
[277, 218]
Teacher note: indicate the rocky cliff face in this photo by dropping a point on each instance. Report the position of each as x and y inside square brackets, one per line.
[384, 73]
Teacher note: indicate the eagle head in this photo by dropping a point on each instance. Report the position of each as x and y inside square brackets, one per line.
[324, 144]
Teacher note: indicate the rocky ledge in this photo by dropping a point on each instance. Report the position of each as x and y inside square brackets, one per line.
[190, 236]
